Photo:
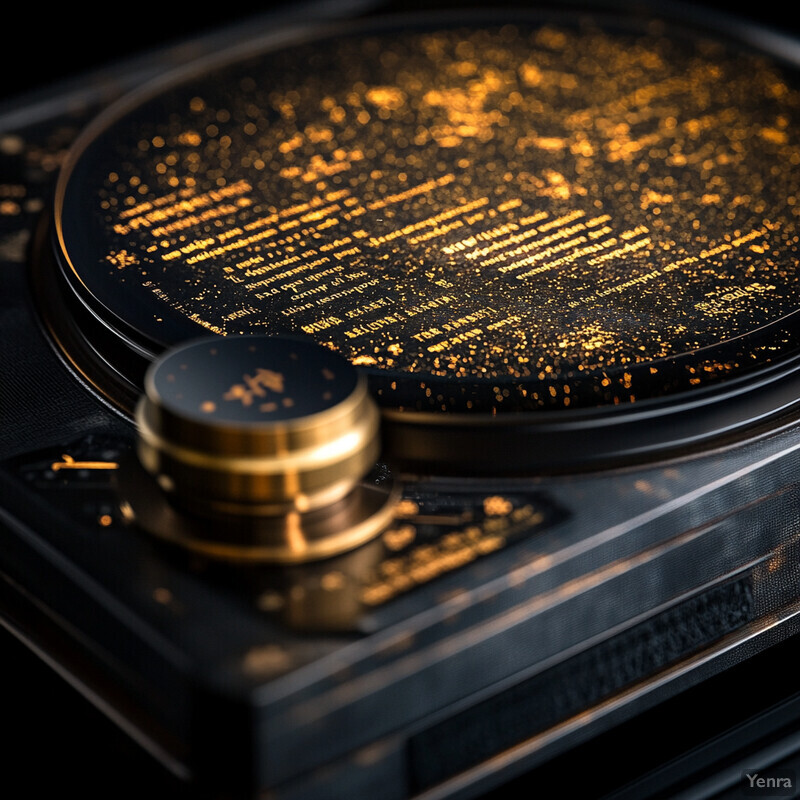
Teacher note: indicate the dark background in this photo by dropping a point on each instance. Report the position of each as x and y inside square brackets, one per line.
[43, 45]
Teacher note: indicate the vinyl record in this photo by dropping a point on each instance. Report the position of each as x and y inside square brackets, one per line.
[529, 226]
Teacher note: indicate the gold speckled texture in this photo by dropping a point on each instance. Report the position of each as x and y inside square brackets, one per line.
[555, 213]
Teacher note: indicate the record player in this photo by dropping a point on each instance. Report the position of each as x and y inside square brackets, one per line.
[405, 404]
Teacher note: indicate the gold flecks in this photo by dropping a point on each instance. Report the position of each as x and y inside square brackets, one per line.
[407, 508]
[162, 596]
[333, 581]
[265, 660]
[11, 144]
[399, 538]
[505, 212]
[270, 601]
[497, 505]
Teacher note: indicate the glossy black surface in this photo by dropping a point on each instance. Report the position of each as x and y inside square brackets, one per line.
[471, 213]
[250, 380]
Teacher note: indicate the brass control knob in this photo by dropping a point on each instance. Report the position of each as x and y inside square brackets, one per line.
[254, 425]
[263, 442]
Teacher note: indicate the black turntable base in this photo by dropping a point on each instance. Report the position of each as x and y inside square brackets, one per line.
[406, 404]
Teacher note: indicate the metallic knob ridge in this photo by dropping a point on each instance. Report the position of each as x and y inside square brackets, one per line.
[256, 425]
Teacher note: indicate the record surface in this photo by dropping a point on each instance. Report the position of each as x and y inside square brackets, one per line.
[510, 216]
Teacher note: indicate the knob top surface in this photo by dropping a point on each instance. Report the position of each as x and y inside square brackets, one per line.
[250, 380]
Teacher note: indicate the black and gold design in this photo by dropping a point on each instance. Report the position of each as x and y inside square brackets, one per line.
[396, 405]
[497, 217]
[264, 442]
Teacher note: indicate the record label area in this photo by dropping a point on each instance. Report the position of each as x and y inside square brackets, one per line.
[513, 217]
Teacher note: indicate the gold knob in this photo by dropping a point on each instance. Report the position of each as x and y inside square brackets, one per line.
[255, 425]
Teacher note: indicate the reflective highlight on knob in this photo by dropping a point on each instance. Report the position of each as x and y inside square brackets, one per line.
[256, 425]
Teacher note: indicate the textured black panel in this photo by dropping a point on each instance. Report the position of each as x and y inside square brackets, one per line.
[40, 401]
[579, 683]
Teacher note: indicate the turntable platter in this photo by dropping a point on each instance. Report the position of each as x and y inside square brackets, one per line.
[527, 217]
